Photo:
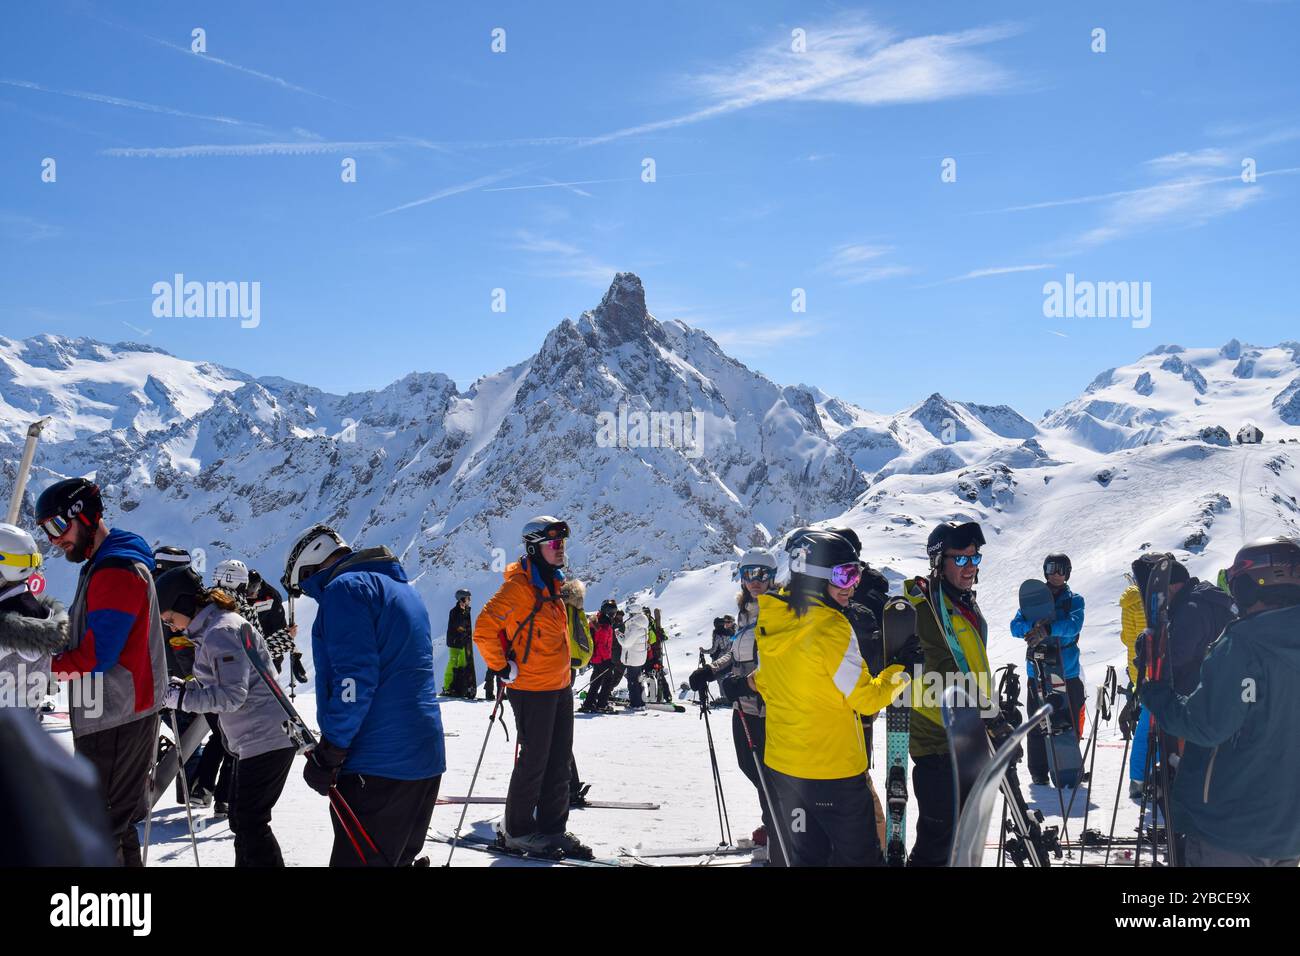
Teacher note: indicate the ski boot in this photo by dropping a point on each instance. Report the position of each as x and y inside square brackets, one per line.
[1135, 789]
[530, 844]
[200, 798]
[578, 798]
[220, 809]
[570, 846]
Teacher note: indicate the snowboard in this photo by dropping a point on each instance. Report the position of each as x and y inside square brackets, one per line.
[981, 774]
[898, 624]
[169, 764]
[1064, 758]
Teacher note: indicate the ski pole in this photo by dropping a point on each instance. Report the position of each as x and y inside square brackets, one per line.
[339, 803]
[1119, 787]
[148, 800]
[1105, 702]
[455, 837]
[185, 787]
[294, 642]
[724, 820]
[778, 820]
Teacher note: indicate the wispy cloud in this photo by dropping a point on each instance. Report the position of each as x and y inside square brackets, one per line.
[308, 148]
[564, 259]
[128, 104]
[753, 337]
[552, 184]
[455, 190]
[992, 271]
[17, 228]
[855, 263]
[1211, 157]
[216, 60]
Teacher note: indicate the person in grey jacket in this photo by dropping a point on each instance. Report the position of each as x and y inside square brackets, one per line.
[250, 719]
[732, 670]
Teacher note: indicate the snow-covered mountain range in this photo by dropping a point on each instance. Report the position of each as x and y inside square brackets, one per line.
[665, 455]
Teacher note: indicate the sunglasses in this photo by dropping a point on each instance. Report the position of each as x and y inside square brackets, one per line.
[554, 545]
[55, 526]
[756, 572]
[961, 560]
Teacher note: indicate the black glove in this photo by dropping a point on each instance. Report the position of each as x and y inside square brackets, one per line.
[909, 654]
[999, 729]
[699, 679]
[295, 665]
[1128, 717]
[277, 660]
[323, 763]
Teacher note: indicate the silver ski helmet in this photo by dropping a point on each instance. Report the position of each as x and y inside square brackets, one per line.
[542, 528]
[312, 548]
[19, 556]
[231, 574]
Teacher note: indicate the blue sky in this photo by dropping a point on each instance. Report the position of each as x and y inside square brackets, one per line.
[775, 170]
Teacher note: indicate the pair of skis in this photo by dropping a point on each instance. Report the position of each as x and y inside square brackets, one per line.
[1161, 747]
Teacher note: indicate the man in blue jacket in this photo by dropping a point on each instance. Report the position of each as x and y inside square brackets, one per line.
[1234, 796]
[1063, 636]
[376, 694]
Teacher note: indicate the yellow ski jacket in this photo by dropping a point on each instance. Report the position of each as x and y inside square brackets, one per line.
[1132, 622]
[816, 684]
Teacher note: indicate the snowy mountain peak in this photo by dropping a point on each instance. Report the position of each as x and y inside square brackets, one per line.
[621, 317]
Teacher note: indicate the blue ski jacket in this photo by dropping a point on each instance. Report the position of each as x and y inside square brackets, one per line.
[1240, 771]
[1065, 631]
[376, 691]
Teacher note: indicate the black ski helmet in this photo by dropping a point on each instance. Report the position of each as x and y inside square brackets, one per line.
[178, 590]
[952, 535]
[1265, 570]
[542, 528]
[72, 499]
[462, 593]
[167, 557]
[1059, 559]
[814, 553]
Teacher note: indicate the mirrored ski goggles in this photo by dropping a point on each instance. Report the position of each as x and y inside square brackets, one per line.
[55, 525]
[961, 560]
[1053, 567]
[840, 576]
[756, 572]
[553, 534]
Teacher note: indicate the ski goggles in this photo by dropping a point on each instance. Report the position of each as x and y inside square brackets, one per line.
[961, 560]
[841, 576]
[56, 525]
[1054, 567]
[554, 534]
[756, 572]
[21, 560]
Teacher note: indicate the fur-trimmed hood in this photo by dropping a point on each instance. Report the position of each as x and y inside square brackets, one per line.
[47, 635]
[573, 592]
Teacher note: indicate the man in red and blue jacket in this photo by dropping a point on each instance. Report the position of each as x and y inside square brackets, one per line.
[116, 658]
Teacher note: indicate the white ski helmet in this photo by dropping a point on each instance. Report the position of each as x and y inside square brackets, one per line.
[231, 574]
[19, 556]
[313, 546]
[757, 557]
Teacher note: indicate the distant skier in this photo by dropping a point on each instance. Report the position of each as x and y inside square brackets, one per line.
[1234, 796]
[954, 642]
[459, 679]
[602, 663]
[656, 654]
[816, 686]
[757, 571]
[377, 707]
[32, 624]
[116, 662]
[1061, 638]
[636, 637]
[225, 685]
[522, 634]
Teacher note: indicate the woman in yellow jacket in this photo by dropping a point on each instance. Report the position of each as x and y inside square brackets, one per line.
[816, 685]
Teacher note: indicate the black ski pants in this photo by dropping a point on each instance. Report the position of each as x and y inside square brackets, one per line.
[602, 682]
[538, 798]
[395, 813]
[123, 759]
[826, 822]
[1038, 762]
[256, 785]
[746, 758]
[215, 765]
